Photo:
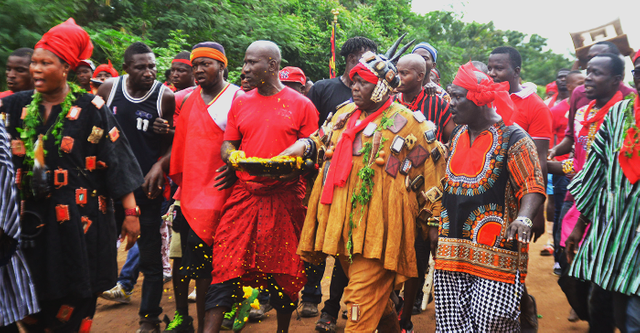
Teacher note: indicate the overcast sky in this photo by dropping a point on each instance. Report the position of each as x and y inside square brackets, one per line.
[552, 19]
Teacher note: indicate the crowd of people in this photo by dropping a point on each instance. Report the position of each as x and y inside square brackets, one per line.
[406, 183]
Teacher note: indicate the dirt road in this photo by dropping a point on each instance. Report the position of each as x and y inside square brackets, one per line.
[552, 305]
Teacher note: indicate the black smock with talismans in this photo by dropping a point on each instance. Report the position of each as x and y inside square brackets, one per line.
[69, 237]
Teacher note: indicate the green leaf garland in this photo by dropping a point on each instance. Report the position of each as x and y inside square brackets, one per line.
[32, 120]
[362, 194]
[630, 122]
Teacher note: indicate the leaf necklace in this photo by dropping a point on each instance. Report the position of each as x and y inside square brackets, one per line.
[363, 193]
[32, 120]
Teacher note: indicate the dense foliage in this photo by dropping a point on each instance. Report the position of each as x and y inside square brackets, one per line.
[301, 27]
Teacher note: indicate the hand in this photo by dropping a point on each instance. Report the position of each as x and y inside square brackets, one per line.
[433, 240]
[574, 240]
[228, 176]
[153, 181]
[161, 126]
[130, 229]
[520, 230]
[431, 88]
[296, 149]
[552, 154]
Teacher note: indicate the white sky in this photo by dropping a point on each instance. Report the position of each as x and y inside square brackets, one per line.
[551, 19]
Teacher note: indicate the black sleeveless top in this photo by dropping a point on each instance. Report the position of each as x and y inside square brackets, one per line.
[136, 117]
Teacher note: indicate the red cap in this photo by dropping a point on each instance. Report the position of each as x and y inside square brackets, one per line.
[293, 74]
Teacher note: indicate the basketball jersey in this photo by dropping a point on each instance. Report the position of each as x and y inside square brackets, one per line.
[136, 117]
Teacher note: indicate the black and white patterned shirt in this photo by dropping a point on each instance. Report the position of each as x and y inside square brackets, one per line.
[17, 292]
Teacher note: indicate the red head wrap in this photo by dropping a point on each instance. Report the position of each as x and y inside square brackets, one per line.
[105, 68]
[486, 91]
[364, 73]
[68, 41]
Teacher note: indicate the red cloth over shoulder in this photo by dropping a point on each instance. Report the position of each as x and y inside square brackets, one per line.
[194, 158]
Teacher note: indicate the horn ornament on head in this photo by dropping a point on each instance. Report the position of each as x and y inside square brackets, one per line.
[384, 67]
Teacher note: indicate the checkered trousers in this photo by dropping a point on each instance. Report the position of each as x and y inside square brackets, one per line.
[467, 303]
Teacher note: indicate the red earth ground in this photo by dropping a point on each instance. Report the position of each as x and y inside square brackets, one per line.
[541, 283]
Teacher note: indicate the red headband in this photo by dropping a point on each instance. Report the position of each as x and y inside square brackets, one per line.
[68, 41]
[364, 73]
[486, 91]
[209, 52]
[105, 68]
[184, 61]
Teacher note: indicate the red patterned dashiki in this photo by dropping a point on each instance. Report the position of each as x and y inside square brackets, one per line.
[486, 179]
[260, 227]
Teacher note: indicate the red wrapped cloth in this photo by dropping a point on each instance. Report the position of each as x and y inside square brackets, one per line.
[68, 41]
[629, 156]
[486, 91]
[258, 235]
[195, 157]
[364, 73]
[105, 68]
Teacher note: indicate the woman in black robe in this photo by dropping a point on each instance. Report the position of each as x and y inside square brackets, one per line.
[71, 160]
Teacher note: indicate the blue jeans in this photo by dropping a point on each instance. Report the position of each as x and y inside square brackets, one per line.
[150, 259]
[131, 269]
[560, 190]
[312, 291]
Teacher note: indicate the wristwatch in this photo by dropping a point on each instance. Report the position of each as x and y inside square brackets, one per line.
[132, 212]
[527, 221]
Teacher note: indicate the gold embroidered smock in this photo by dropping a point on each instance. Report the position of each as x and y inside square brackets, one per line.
[386, 228]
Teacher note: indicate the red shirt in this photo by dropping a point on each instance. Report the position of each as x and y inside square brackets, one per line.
[579, 99]
[559, 116]
[6, 93]
[267, 125]
[532, 114]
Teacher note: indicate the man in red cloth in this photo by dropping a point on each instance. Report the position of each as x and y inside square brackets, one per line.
[17, 70]
[194, 159]
[257, 236]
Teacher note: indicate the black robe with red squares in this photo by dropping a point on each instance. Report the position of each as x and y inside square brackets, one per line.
[69, 237]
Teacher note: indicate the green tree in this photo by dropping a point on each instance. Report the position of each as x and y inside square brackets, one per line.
[302, 28]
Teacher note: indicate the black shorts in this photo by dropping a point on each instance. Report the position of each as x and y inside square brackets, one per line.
[227, 293]
[196, 254]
